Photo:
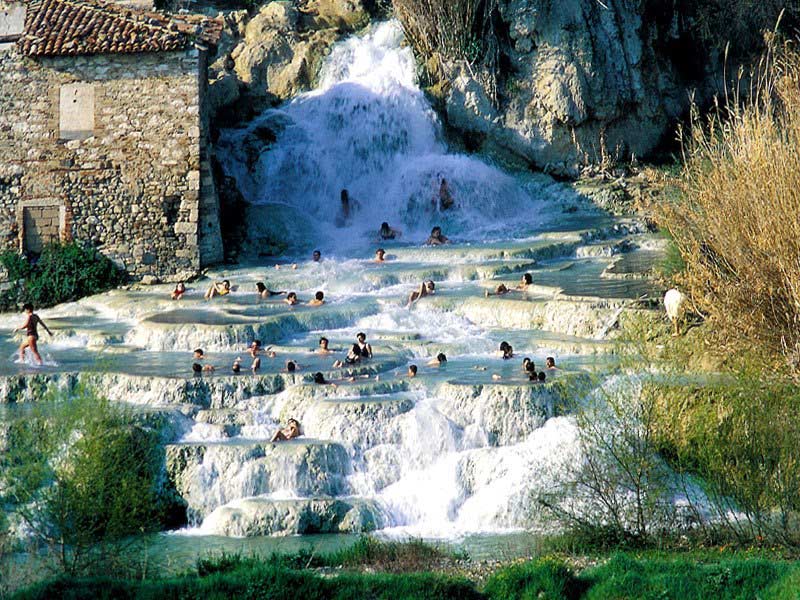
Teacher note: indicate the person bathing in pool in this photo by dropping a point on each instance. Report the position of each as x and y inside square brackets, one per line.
[438, 361]
[291, 298]
[426, 288]
[319, 299]
[264, 292]
[437, 238]
[31, 328]
[502, 289]
[388, 233]
[218, 288]
[291, 431]
[380, 255]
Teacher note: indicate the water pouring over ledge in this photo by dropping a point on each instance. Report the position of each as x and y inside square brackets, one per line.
[368, 128]
[451, 453]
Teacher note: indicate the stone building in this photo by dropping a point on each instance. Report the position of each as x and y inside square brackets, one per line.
[104, 133]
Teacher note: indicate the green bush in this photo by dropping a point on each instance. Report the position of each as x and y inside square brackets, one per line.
[79, 473]
[544, 579]
[62, 273]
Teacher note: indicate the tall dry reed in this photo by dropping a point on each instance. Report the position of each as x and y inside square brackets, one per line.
[738, 223]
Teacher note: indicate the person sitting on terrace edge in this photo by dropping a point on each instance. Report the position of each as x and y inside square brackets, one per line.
[289, 433]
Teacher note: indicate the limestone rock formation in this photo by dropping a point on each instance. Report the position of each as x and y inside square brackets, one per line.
[276, 53]
[583, 81]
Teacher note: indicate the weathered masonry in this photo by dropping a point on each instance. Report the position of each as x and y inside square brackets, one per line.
[104, 133]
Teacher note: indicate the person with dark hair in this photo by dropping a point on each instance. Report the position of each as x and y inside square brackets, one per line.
[289, 433]
[316, 256]
[291, 298]
[506, 351]
[179, 291]
[291, 366]
[237, 365]
[438, 361]
[319, 299]
[323, 346]
[541, 377]
[265, 292]
[359, 351]
[445, 197]
[388, 233]
[426, 288]
[319, 378]
[550, 364]
[380, 255]
[31, 328]
[500, 290]
[437, 238]
[527, 279]
[254, 351]
[348, 205]
[412, 371]
[197, 368]
[218, 288]
[198, 354]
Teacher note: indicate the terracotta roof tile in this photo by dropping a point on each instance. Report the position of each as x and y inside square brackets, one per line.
[76, 27]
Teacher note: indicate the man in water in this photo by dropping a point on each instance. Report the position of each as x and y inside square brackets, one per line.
[445, 198]
[319, 299]
[323, 346]
[412, 371]
[31, 328]
[426, 288]
[380, 255]
[437, 238]
[291, 298]
[388, 233]
[438, 361]
[254, 351]
[289, 433]
[316, 256]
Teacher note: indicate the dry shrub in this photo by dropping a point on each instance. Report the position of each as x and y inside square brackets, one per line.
[737, 225]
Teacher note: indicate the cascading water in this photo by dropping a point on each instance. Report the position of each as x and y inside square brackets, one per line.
[368, 128]
[460, 448]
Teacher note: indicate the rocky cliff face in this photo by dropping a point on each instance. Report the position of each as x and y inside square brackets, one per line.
[585, 80]
[270, 54]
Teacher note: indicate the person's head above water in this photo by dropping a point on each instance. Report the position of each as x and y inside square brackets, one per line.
[197, 368]
[319, 296]
[198, 353]
[345, 196]
[319, 378]
[412, 370]
[430, 286]
[291, 366]
[291, 297]
[316, 255]
[436, 232]
[527, 279]
[380, 253]
[441, 357]
[503, 346]
[323, 343]
[261, 287]
[541, 377]
[550, 362]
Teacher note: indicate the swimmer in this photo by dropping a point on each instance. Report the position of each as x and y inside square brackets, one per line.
[445, 197]
[500, 290]
[237, 365]
[289, 433]
[438, 361]
[319, 379]
[550, 364]
[197, 355]
[319, 299]
[264, 292]
[254, 350]
[316, 256]
[437, 238]
[179, 291]
[388, 233]
[291, 298]
[524, 282]
[506, 351]
[412, 371]
[31, 328]
[426, 288]
[380, 255]
[218, 288]
[323, 346]
[291, 367]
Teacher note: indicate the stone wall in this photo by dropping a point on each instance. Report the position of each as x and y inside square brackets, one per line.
[134, 177]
